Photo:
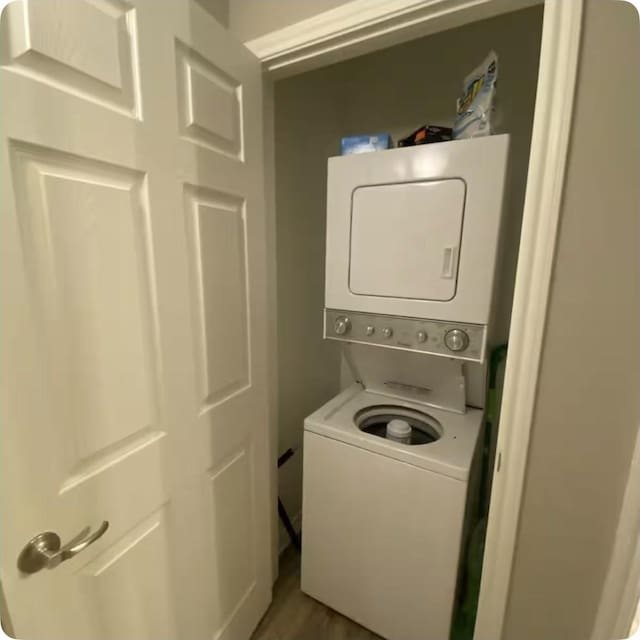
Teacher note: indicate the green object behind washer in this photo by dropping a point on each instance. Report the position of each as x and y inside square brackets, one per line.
[465, 617]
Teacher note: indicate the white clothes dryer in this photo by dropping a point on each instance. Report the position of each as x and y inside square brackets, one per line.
[414, 233]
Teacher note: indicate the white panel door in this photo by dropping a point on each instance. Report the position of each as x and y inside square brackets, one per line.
[133, 337]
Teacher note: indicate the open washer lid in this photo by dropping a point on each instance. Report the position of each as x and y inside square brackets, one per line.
[417, 377]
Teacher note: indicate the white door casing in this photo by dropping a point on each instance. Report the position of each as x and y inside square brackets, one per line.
[133, 341]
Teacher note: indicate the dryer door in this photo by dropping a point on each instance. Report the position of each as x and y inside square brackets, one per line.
[405, 239]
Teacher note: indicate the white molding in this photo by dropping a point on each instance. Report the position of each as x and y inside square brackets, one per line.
[549, 146]
[362, 26]
[619, 600]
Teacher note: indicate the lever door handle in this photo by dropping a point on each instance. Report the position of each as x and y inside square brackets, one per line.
[47, 551]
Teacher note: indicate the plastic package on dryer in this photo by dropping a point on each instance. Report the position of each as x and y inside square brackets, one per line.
[475, 114]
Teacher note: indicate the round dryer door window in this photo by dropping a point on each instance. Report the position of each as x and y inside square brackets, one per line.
[399, 424]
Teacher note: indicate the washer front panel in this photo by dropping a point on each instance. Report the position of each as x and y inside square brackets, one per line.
[409, 334]
[381, 540]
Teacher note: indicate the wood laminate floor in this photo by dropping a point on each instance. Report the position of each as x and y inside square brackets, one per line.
[295, 616]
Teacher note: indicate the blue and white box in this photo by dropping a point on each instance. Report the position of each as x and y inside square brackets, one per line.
[363, 144]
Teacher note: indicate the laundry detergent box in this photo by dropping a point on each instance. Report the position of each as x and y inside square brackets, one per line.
[362, 144]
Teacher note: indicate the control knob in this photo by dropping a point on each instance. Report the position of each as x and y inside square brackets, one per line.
[387, 332]
[421, 336]
[342, 325]
[456, 340]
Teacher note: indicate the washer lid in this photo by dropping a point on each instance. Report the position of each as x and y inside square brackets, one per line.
[417, 377]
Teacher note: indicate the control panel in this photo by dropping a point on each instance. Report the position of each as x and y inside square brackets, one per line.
[451, 339]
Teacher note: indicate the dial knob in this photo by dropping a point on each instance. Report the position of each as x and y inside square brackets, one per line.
[387, 332]
[342, 325]
[421, 336]
[370, 330]
[456, 340]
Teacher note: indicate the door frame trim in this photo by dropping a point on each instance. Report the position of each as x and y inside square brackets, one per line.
[557, 79]
[362, 26]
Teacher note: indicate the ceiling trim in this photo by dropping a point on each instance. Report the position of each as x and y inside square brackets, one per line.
[362, 26]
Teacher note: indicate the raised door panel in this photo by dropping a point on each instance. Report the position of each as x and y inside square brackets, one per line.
[85, 232]
[87, 48]
[127, 588]
[210, 103]
[233, 539]
[216, 230]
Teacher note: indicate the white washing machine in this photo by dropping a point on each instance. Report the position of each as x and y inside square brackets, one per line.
[383, 522]
[390, 464]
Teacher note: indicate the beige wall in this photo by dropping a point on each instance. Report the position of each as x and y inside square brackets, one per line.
[219, 9]
[587, 411]
[395, 90]
[307, 365]
[252, 18]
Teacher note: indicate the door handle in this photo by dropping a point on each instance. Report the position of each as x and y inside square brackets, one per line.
[47, 551]
[449, 260]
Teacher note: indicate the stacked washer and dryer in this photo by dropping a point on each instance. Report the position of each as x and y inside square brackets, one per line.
[390, 464]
